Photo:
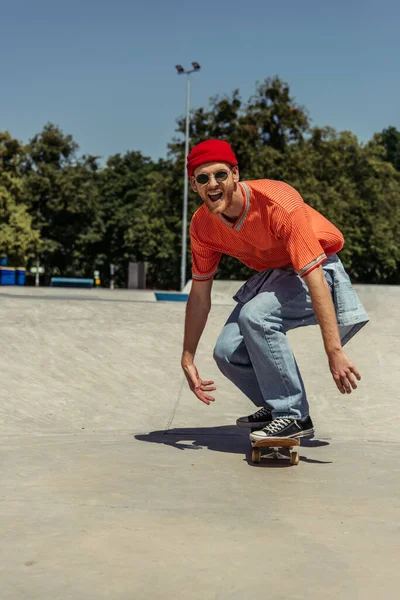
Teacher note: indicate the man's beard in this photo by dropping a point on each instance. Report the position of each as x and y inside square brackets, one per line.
[222, 205]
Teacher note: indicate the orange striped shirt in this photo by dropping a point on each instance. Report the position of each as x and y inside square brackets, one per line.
[275, 229]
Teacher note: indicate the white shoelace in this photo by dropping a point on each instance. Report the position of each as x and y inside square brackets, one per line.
[277, 425]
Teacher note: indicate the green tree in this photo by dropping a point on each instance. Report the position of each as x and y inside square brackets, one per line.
[18, 240]
[353, 186]
[139, 216]
[154, 234]
[390, 139]
[61, 193]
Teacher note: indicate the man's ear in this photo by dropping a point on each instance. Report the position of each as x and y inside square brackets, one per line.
[235, 173]
[193, 184]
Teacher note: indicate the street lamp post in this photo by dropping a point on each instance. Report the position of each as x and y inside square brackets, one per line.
[181, 71]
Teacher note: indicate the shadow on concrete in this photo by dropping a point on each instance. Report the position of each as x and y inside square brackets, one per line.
[228, 438]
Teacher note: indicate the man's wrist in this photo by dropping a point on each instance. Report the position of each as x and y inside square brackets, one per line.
[333, 351]
[187, 358]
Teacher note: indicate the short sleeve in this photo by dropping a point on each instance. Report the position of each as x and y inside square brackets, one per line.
[205, 260]
[291, 224]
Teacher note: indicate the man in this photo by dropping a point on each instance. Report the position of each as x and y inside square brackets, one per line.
[299, 281]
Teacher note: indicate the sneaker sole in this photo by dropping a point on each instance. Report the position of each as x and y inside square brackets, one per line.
[305, 433]
[301, 434]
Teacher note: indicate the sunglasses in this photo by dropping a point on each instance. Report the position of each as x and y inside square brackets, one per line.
[219, 176]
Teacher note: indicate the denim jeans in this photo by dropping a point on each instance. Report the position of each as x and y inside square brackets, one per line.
[253, 350]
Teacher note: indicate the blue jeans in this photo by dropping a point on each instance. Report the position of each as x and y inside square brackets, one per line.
[253, 351]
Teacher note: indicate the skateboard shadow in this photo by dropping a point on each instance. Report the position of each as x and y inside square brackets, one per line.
[227, 438]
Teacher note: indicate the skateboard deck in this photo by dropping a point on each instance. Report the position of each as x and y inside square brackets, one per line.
[293, 444]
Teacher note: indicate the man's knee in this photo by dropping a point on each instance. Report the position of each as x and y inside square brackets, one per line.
[261, 312]
[222, 350]
[229, 347]
[250, 315]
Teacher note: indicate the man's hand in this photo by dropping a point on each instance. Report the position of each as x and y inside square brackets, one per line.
[197, 385]
[343, 371]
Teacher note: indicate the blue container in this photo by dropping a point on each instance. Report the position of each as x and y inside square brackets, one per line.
[3, 261]
[20, 275]
[7, 276]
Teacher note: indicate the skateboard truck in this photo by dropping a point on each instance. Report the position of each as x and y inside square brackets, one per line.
[275, 444]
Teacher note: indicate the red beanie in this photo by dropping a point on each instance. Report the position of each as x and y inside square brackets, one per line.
[210, 151]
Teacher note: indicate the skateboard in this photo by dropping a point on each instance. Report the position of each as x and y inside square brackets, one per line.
[293, 444]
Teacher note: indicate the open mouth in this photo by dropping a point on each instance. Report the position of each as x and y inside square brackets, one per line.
[215, 197]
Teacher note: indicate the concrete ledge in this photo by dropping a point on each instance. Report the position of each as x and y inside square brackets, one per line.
[171, 296]
[71, 282]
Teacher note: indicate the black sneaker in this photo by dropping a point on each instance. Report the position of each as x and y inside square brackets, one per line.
[282, 427]
[261, 418]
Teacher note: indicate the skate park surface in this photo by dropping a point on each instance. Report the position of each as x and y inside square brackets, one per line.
[118, 483]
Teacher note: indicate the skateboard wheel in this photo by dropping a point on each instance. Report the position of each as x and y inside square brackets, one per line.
[256, 455]
[294, 458]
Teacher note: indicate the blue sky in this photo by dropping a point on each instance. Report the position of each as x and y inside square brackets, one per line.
[104, 70]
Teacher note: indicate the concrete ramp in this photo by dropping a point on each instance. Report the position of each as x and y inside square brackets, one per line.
[74, 361]
[118, 483]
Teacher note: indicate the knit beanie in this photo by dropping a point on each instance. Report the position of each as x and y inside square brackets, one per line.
[210, 151]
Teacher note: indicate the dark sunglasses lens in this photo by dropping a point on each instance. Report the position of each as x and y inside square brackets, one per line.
[202, 178]
[221, 175]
